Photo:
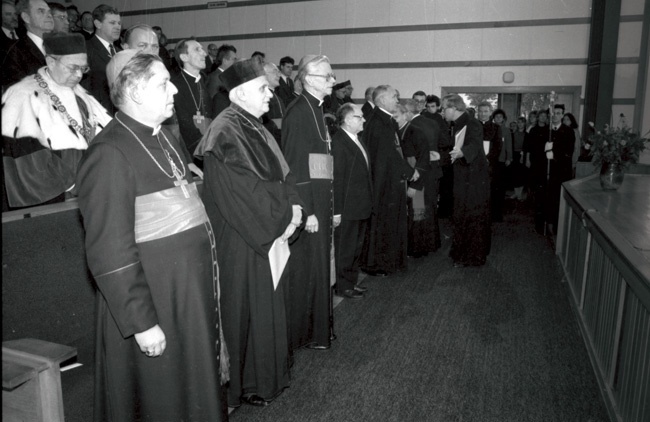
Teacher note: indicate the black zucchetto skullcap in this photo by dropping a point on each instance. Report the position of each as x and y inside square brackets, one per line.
[341, 85]
[64, 43]
[241, 72]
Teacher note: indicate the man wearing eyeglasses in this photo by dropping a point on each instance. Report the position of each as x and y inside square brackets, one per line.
[306, 144]
[48, 120]
[27, 55]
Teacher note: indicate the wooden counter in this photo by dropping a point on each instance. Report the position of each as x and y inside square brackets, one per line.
[603, 244]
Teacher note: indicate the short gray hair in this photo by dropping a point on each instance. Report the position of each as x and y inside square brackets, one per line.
[308, 64]
[136, 70]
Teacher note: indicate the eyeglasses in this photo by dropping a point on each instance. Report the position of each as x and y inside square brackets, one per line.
[358, 117]
[329, 76]
[72, 68]
[61, 17]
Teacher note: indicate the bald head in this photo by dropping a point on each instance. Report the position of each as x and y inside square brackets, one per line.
[141, 38]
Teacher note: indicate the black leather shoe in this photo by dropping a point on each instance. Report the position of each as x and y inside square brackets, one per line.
[360, 289]
[350, 294]
[255, 400]
[376, 273]
[315, 346]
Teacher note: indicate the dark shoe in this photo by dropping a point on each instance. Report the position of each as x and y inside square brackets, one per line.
[376, 273]
[350, 294]
[315, 346]
[255, 400]
[360, 289]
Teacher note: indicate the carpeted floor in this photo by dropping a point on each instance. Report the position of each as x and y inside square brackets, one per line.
[497, 343]
[437, 343]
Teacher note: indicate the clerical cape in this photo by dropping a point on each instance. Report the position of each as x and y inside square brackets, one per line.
[249, 196]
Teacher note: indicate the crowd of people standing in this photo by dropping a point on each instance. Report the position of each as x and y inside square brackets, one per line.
[204, 293]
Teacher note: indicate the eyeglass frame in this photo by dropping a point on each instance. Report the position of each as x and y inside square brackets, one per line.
[329, 76]
[72, 68]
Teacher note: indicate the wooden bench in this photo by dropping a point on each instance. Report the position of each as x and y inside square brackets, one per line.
[31, 380]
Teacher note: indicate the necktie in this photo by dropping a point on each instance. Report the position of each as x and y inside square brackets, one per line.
[111, 49]
[13, 35]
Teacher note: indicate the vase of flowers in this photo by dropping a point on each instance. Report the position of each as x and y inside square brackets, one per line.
[614, 149]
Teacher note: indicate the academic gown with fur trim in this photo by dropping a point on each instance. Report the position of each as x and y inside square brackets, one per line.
[170, 281]
[249, 202]
[41, 149]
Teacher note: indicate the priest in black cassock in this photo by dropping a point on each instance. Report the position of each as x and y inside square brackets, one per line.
[254, 208]
[160, 354]
[472, 223]
[385, 250]
[192, 103]
[306, 145]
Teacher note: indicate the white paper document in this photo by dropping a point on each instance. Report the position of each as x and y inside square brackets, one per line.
[460, 140]
[278, 257]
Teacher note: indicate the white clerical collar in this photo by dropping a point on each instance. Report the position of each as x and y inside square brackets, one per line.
[156, 130]
[105, 43]
[390, 114]
[221, 69]
[196, 78]
[8, 32]
[37, 40]
[415, 115]
[371, 104]
[557, 127]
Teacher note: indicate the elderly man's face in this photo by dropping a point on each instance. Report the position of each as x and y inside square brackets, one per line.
[9, 17]
[256, 96]
[272, 74]
[389, 100]
[195, 56]
[144, 40]
[109, 28]
[69, 69]
[61, 23]
[321, 79]
[157, 94]
[39, 18]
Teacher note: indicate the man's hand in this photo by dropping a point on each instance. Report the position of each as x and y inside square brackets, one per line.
[508, 163]
[416, 176]
[294, 224]
[312, 224]
[194, 169]
[336, 221]
[456, 154]
[410, 192]
[152, 342]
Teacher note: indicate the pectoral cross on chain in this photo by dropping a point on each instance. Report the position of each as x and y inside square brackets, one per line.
[199, 117]
[179, 180]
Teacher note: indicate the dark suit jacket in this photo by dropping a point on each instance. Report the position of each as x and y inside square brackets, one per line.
[285, 91]
[352, 183]
[366, 108]
[430, 131]
[95, 81]
[87, 35]
[210, 66]
[492, 133]
[23, 58]
[5, 45]
[215, 83]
